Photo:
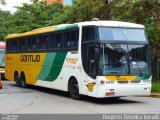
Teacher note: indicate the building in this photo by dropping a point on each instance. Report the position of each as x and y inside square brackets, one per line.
[51, 1]
[64, 2]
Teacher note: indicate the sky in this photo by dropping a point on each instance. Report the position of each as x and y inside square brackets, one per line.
[67, 2]
[11, 3]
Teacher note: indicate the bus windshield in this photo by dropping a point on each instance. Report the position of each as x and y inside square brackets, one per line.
[123, 59]
[121, 34]
[2, 64]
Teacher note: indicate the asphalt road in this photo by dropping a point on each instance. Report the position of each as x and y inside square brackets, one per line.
[38, 100]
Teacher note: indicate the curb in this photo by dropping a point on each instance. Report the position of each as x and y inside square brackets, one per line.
[156, 95]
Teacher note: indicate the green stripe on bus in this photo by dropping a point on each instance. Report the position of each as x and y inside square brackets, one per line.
[46, 67]
[53, 69]
[139, 78]
[145, 77]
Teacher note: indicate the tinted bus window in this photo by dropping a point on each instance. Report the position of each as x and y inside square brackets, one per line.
[58, 40]
[15, 45]
[34, 45]
[42, 42]
[74, 38]
[88, 33]
[71, 39]
[9, 45]
[67, 39]
[51, 41]
[22, 45]
[29, 44]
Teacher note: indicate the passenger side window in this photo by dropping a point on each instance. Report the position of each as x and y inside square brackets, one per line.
[9, 46]
[67, 39]
[58, 40]
[22, 45]
[15, 44]
[29, 44]
[34, 45]
[42, 42]
[74, 38]
[88, 33]
[71, 39]
[51, 41]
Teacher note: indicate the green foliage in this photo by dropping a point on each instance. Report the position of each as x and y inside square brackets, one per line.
[4, 23]
[85, 10]
[31, 16]
[155, 86]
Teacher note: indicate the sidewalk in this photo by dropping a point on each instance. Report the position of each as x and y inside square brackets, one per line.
[155, 94]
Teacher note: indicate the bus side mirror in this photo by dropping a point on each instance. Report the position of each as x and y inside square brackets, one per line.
[150, 54]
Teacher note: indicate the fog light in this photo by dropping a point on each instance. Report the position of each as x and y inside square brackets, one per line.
[146, 81]
[110, 82]
[102, 82]
[147, 89]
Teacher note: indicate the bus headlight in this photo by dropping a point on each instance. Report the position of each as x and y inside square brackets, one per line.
[102, 82]
[110, 82]
[146, 81]
[147, 89]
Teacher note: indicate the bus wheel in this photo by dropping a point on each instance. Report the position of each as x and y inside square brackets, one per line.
[74, 89]
[23, 80]
[16, 79]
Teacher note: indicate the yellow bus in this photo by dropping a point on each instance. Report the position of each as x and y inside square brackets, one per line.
[94, 58]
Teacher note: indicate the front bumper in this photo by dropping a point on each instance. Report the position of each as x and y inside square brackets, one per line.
[123, 90]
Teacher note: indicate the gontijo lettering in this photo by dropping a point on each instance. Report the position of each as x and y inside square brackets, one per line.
[30, 58]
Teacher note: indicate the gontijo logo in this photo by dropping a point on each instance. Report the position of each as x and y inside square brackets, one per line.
[30, 58]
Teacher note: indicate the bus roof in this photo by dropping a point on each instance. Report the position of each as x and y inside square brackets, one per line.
[111, 24]
[67, 26]
[43, 30]
[2, 45]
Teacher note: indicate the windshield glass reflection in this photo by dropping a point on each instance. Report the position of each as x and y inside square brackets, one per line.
[123, 59]
[121, 34]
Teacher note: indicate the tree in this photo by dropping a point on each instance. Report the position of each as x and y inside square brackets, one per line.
[4, 20]
[31, 16]
[85, 10]
[36, 15]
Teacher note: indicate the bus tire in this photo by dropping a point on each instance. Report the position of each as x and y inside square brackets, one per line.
[16, 79]
[74, 89]
[23, 80]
